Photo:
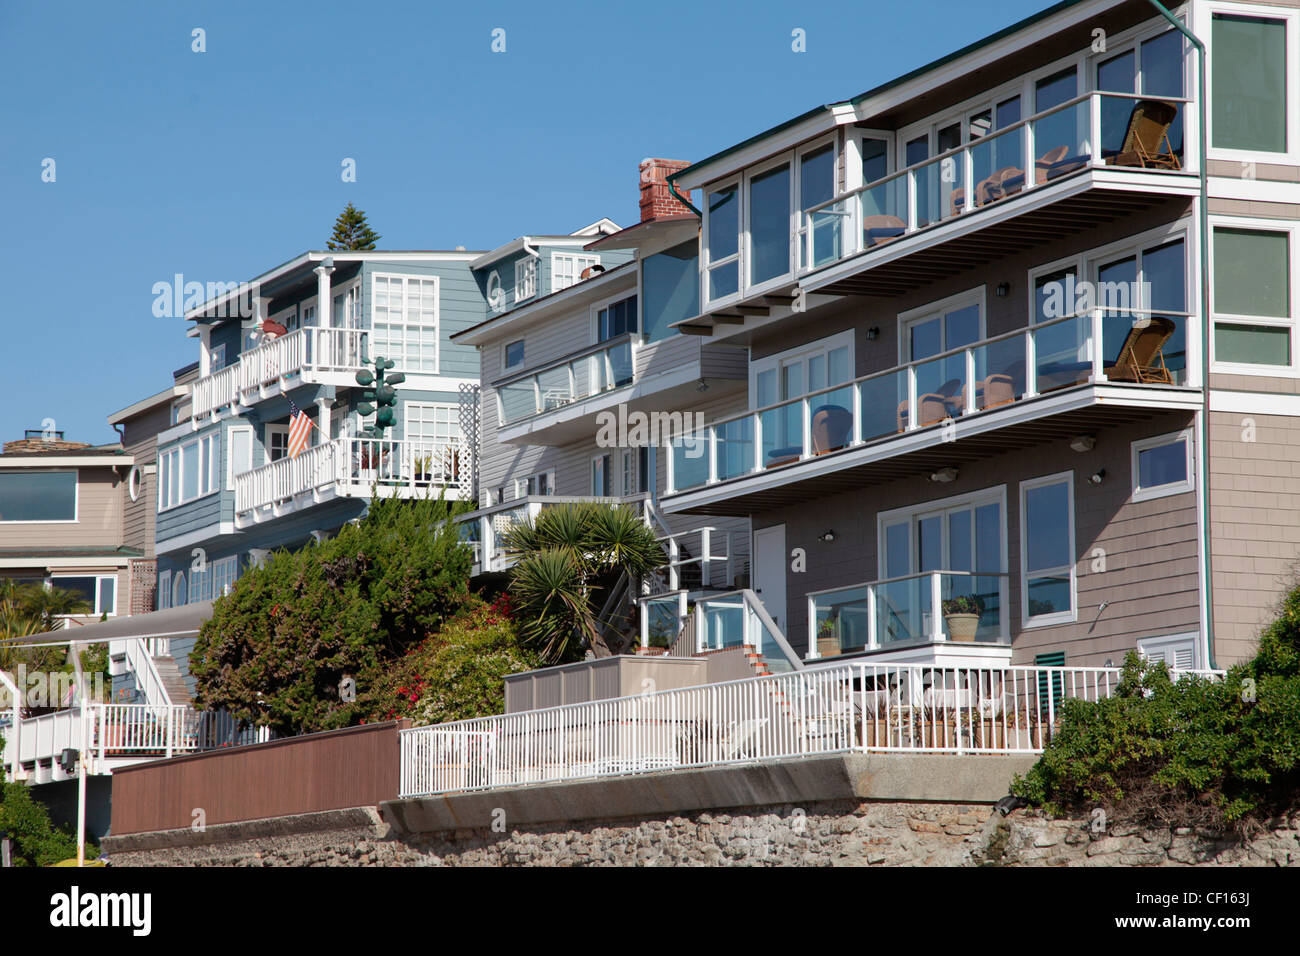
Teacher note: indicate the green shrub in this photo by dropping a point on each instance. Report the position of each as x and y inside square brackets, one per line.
[277, 648]
[35, 841]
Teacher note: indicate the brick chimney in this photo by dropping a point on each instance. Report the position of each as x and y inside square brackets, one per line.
[37, 446]
[656, 198]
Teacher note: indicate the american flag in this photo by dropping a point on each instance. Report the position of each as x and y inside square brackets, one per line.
[300, 427]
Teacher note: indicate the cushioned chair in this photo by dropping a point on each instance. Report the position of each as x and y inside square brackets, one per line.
[931, 408]
[832, 428]
[878, 229]
[996, 390]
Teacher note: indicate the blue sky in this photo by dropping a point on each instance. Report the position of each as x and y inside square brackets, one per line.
[223, 164]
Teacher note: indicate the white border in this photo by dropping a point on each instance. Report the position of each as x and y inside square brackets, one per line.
[1058, 617]
[1170, 488]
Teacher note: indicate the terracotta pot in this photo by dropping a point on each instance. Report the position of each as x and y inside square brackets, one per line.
[962, 627]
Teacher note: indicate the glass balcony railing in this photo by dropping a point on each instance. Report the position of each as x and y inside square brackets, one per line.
[1098, 129]
[738, 619]
[596, 370]
[1104, 345]
[896, 612]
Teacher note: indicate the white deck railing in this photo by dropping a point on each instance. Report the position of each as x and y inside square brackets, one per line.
[111, 731]
[352, 467]
[215, 391]
[842, 708]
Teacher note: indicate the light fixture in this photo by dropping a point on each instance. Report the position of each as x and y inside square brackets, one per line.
[944, 475]
[827, 535]
[1002, 289]
[703, 386]
[1097, 476]
[1082, 443]
[873, 333]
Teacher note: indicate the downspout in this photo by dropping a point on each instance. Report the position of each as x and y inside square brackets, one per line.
[1203, 459]
[672, 188]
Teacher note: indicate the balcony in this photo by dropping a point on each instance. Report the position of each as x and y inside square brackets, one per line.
[305, 356]
[897, 613]
[347, 468]
[113, 736]
[857, 432]
[485, 530]
[1091, 160]
[599, 368]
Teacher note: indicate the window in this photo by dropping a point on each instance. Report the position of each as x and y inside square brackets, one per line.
[1047, 574]
[164, 590]
[224, 571]
[1133, 287]
[789, 375]
[38, 496]
[1252, 297]
[514, 354]
[525, 278]
[567, 268]
[347, 308]
[434, 430]
[1162, 466]
[277, 442]
[769, 224]
[600, 476]
[217, 358]
[188, 471]
[628, 471]
[670, 289]
[200, 584]
[98, 591]
[542, 483]
[179, 593]
[241, 453]
[287, 317]
[1154, 67]
[962, 534]
[615, 319]
[722, 246]
[1248, 95]
[406, 321]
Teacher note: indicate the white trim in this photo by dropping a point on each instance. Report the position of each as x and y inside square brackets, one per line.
[1291, 18]
[134, 482]
[823, 346]
[579, 261]
[1172, 488]
[376, 340]
[1254, 403]
[95, 610]
[526, 278]
[606, 469]
[1291, 229]
[214, 530]
[953, 303]
[707, 264]
[37, 560]
[1058, 617]
[231, 473]
[163, 595]
[1188, 639]
[521, 485]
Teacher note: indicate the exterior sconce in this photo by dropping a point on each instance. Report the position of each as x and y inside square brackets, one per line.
[1097, 476]
[826, 535]
[1002, 290]
[873, 333]
[944, 475]
[1083, 443]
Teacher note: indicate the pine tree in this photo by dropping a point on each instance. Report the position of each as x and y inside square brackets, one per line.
[351, 231]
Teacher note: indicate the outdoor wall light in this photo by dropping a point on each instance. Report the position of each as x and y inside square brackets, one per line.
[1002, 290]
[827, 535]
[944, 475]
[873, 333]
[1097, 476]
[1083, 443]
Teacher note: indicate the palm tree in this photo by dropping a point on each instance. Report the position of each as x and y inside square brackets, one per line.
[567, 562]
[27, 610]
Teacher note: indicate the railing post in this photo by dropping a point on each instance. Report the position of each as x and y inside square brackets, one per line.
[1094, 128]
[855, 390]
[1096, 344]
[706, 554]
[805, 411]
[912, 413]
[1026, 153]
[171, 729]
[936, 607]
[1031, 363]
[756, 453]
[873, 639]
[670, 466]
[970, 380]
[713, 453]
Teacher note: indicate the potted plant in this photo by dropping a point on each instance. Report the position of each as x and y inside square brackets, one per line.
[423, 467]
[828, 638]
[962, 615]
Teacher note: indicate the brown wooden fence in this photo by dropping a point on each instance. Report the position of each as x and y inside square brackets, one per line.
[354, 767]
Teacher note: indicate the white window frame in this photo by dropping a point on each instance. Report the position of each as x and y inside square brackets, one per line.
[164, 594]
[627, 472]
[707, 264]
[976, 296]
[1058, 617]
[208, 471]
[1159, 441]
[505, 355]
[270, 430]
[305, 306]
[76, 501]
[1292, 229]
[426, 333]
[428, 414]
[564, 263]
[1291, 16]
[53, 581]
[232, 467]
[224, 572]
[789, 160]
[522, 489]
[179, 584]
[606, 461]
[347, 299]
[217, 358]
[800, 353]
[526, 278]
[853, 154]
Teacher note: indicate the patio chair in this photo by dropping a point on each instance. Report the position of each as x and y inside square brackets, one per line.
[1141, 357]
[931, 408]
[1146, 142]
[878, 229]
[832, 427]
[995, 390]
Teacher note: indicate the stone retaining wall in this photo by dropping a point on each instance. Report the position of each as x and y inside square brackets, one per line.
[839, 833]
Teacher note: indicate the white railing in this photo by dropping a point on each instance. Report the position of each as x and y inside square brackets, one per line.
[495, 522]
[215, 391]
[111, 731]
[279, 362]
[1087, 131]
[849, 707]
[352, 467]
[984, 376]
[140, 653]
[597, 368]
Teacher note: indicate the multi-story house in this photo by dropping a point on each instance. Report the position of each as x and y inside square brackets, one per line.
[572, 367]
[296, 337]
[1022, 363]
[62, 506]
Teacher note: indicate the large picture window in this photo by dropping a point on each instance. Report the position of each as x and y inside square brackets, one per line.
[1047, 574]
[1248, 96]
[188, 472]
[98, 591]
[1252, 297]
[769, 224]
[38, 496]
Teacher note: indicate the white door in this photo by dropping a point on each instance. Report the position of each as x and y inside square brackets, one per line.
[768, 561]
